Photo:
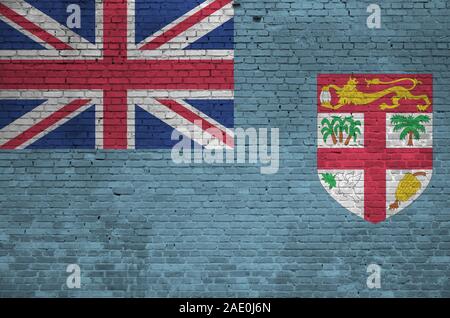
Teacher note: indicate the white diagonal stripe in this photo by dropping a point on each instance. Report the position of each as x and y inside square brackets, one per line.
[195, 32]
[82, 47]
[204, 116]
[140, 97]
[181, 124]
[31, 118]
[199, 30]
[56, 99]
[175, 22]
[135, 53]
[27, 33]
[48, 24]
[55, 125]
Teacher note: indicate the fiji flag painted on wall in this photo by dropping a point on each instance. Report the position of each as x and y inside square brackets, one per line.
[132, 73]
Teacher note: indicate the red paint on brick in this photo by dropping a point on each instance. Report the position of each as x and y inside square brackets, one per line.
[45, 123]
[132, 75]
[194, 118]
[115, 113]
[185, 25]
[115, 74]
[375, 158]
[407, 105]
[33, 28]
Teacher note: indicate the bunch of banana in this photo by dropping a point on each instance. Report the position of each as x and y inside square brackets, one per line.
[407, 188]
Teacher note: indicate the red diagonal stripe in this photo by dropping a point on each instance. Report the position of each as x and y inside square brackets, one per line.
[33, 28]
[194, 118]
[45, 123]
[185, 24]
[114, 73]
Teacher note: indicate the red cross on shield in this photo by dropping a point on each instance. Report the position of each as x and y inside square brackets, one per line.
[375, 140]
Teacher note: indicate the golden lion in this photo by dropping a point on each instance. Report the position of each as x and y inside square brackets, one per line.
[350, 95]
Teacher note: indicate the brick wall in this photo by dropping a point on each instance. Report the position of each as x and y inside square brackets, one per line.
[139, 225]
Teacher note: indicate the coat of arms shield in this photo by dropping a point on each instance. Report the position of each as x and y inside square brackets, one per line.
[375, 140]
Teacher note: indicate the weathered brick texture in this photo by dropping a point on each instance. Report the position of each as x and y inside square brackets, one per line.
[140, 225]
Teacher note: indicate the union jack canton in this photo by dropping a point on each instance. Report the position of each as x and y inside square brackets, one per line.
[125, 78]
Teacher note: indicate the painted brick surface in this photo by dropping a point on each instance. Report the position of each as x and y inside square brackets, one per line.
[139, 225]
